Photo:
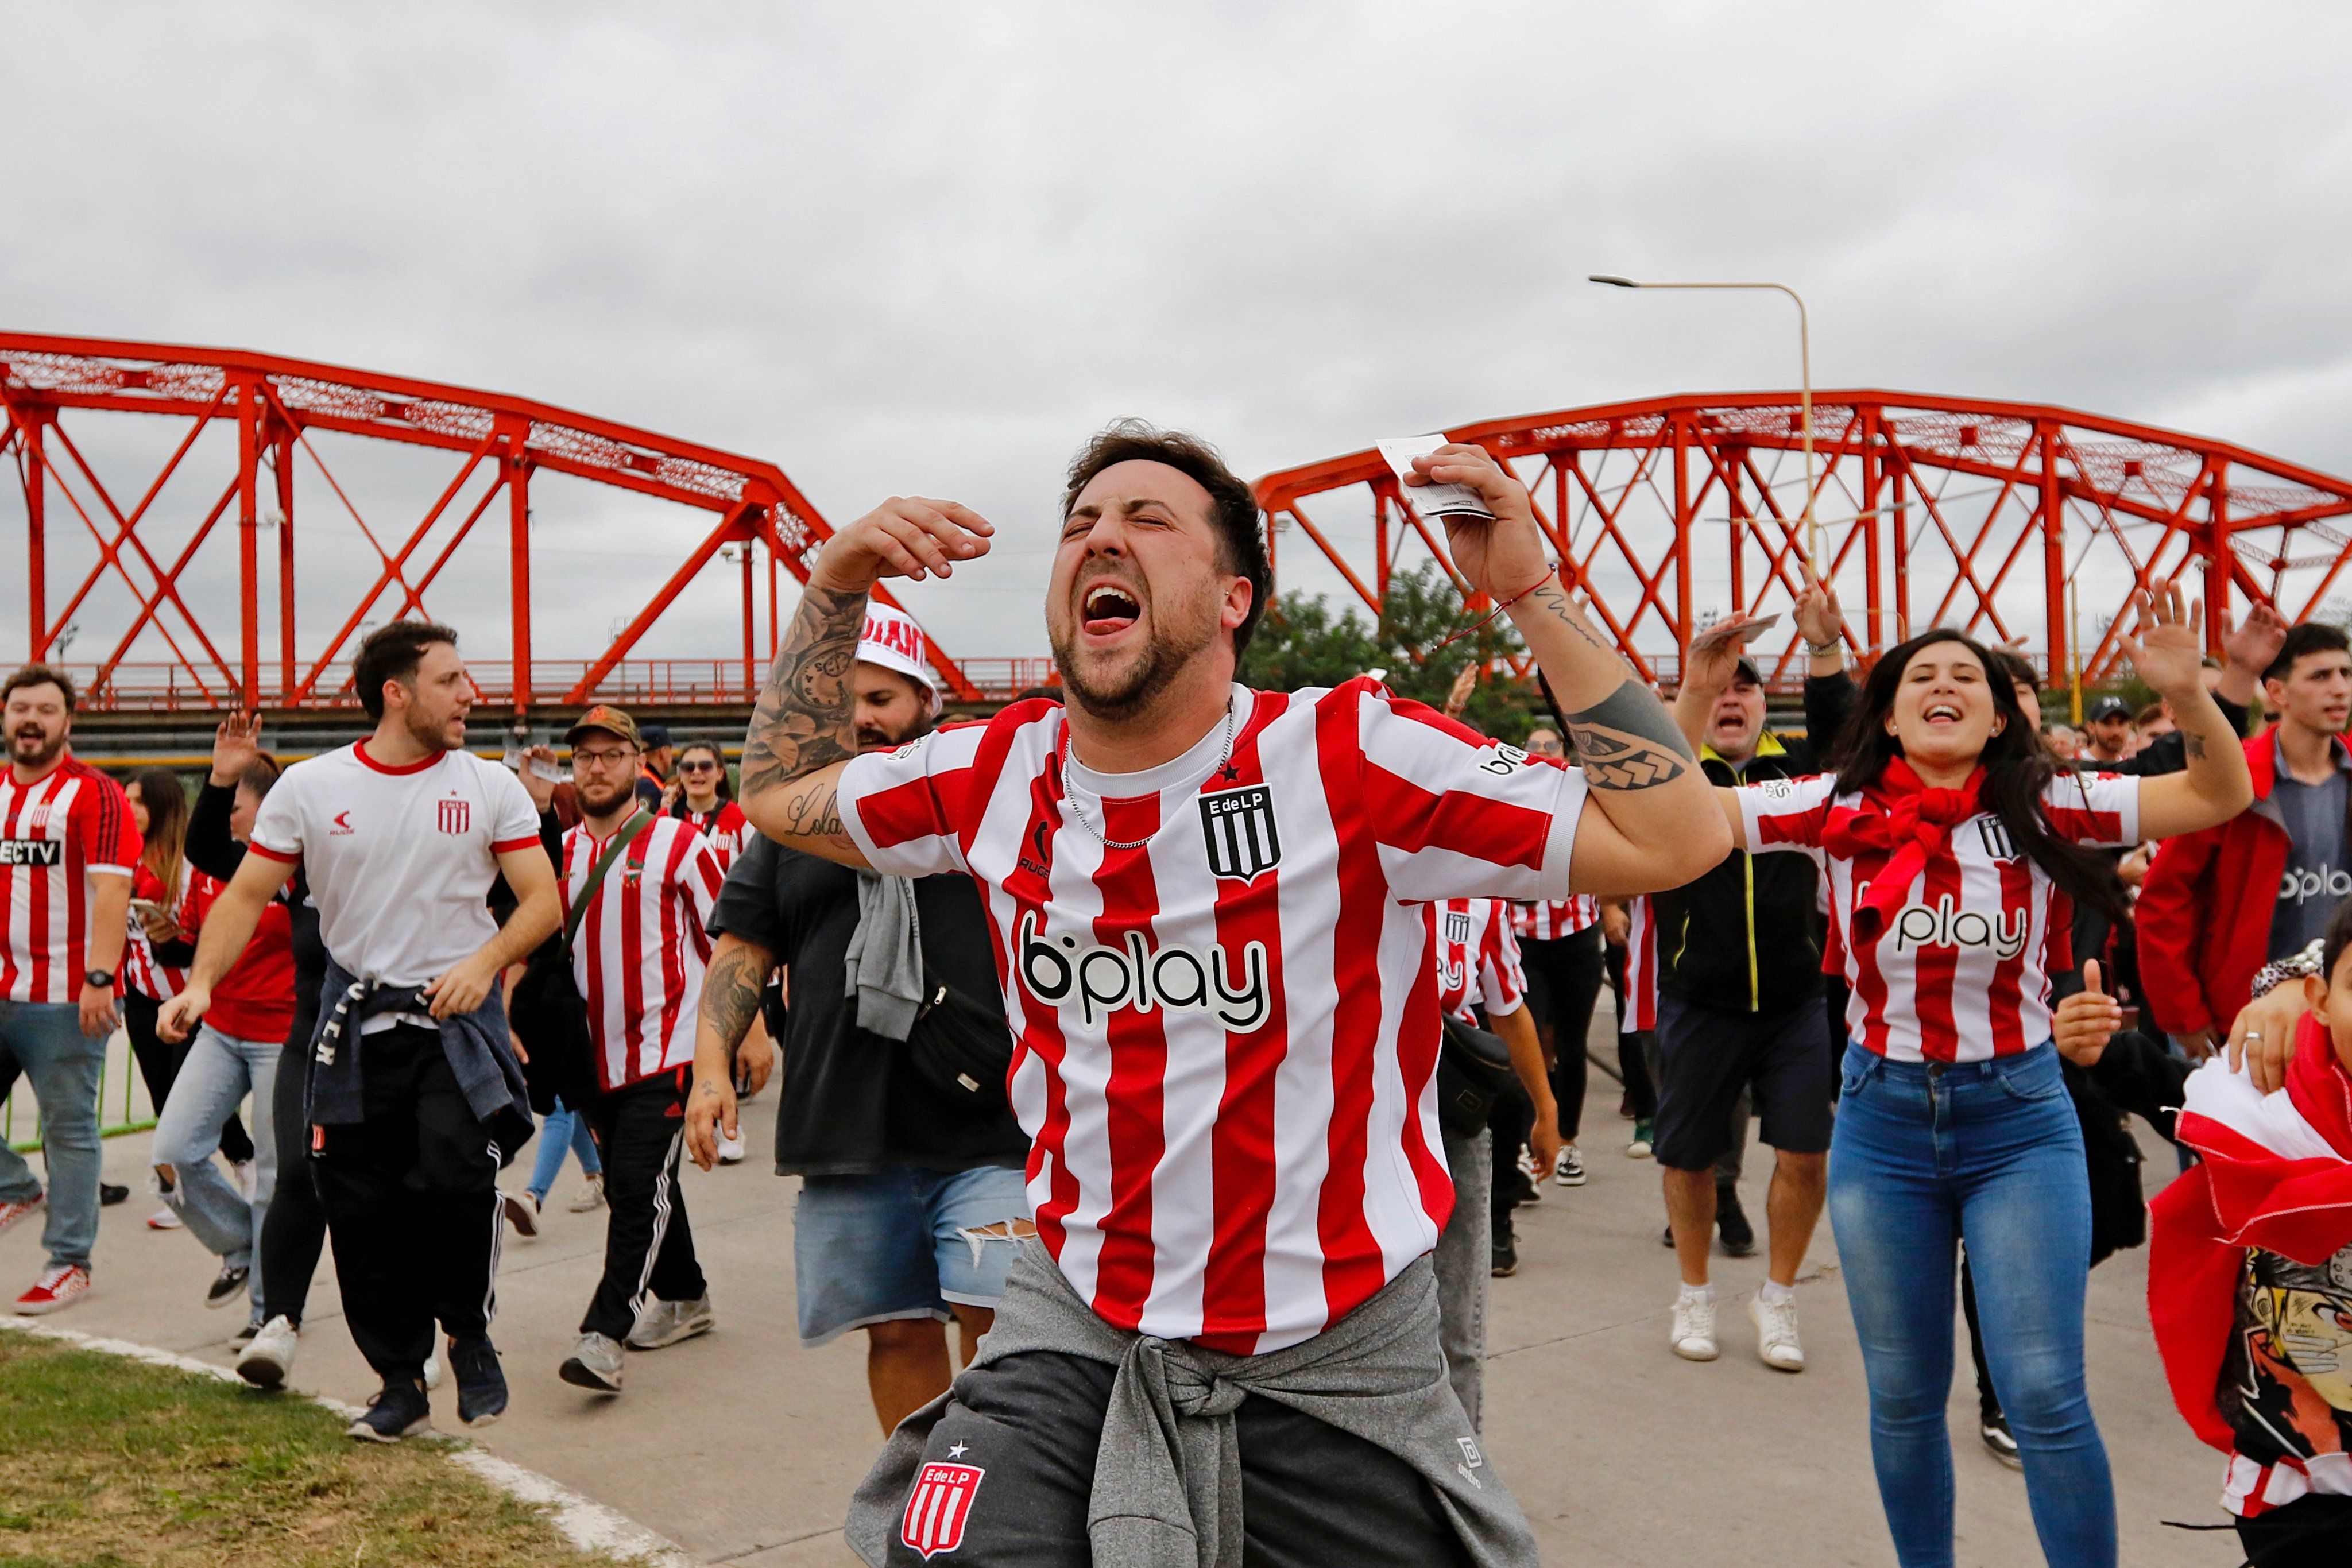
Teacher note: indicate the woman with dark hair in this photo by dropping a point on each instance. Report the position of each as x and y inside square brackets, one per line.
[1955, 851]
[700, 795]
[155, 959]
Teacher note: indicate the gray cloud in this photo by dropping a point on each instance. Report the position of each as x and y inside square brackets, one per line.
[926, 248]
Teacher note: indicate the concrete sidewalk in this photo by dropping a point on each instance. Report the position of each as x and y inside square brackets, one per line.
[743, 1448]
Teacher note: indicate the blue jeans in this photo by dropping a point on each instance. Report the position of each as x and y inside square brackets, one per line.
[902, 1243]
[215, 1077]
[1925, 1155]
[563, 1129]
[63, 1065]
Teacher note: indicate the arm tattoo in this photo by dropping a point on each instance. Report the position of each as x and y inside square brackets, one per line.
[806, 716]
[1628, 741]
[730, 992]
[1552, 599]
[2194, 742]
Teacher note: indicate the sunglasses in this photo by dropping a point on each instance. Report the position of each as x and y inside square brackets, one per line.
[696, 767]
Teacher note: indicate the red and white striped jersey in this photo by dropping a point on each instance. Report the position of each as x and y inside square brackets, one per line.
[1228, 1027]
[1962, 972]
[1641, 967]
[639, 953]
[55, 833]
[141, 972]
[1477, 958]
[1554, 918]
[724, 828]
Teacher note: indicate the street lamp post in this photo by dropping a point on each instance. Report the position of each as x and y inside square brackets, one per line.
[1805, 362]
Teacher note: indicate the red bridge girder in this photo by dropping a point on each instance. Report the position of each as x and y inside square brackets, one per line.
[51, 386]
[1932, 510]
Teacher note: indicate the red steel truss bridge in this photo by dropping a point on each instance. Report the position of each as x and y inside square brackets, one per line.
[128, 559]
[1928, 511]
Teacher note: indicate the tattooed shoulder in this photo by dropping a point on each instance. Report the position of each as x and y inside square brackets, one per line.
[1628, 741]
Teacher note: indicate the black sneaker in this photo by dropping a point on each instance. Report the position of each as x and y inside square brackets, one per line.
[1666, 1237]
[1994, 1428]
[109, 1194]
[399, 1410]
[1731, 1224]
[481, 1386]
[227, 1286]
[1507, 1253]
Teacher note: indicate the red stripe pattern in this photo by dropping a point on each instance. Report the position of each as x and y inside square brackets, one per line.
[1228, 1035]
[1552, 919]
[1476, 956]
[641, 948]
[1962, 971]
[54, 833]
[1641, 968]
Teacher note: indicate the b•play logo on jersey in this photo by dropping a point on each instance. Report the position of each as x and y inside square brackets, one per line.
[938, 1508]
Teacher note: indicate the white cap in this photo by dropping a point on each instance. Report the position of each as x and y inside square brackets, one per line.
[891, 638]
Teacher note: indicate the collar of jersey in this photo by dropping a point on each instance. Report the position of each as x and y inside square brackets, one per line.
[359, 750]
[2336, 749]
[1767, 744]
[1181, 772]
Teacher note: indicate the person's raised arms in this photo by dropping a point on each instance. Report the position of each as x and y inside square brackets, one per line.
[1648, 822]
[2167, 652]
[803, 727]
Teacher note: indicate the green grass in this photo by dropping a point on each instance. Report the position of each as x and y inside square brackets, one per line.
[107, 1463]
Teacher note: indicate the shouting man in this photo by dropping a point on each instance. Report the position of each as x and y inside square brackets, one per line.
[1203, 907]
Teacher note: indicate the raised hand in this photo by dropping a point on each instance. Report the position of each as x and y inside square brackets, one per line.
[539, 775]
[907, 535]
[236, 743]
[2168, 649]
[1715, 654]
[1820, 621]
[2086, 1020]
[2252, 646]
[1502, 557]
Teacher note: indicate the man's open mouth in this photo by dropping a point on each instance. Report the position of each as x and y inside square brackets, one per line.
[1107, 610]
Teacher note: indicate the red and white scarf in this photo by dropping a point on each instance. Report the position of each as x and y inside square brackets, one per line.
[1905, 820]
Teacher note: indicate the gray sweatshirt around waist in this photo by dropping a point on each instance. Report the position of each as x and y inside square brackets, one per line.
[1168, 1479]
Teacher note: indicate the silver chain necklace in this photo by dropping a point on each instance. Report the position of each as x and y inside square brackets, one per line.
[1080, 817]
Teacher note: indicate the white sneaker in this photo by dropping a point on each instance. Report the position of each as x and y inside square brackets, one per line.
[1777, 1345]
[269, 1359]
[1693, 1331]
[433, 1364]
[243, 1171]
[1570, 1171]
[163, 1218]
[591, 1198]
[730, 1151]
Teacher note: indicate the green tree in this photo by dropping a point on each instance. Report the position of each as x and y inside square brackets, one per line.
[1302, 643]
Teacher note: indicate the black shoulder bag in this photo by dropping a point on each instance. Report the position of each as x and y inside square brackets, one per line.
[548, 1013]
[1472, 1068]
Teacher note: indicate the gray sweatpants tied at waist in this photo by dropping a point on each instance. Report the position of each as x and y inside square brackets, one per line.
[1168, 1476]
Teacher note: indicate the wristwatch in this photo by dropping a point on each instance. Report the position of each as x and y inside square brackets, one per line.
[102, 979]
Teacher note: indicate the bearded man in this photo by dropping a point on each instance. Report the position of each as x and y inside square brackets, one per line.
[1224, 1340]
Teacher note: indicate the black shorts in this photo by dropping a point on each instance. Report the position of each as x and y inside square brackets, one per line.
[1705, 1056]
[1021, 1435]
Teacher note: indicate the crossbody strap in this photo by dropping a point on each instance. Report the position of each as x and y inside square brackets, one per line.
[630, 831]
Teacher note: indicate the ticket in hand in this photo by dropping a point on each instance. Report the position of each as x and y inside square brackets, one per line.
[1430, 500]
[1745, 631]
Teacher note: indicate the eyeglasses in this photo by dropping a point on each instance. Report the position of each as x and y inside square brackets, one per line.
[594, 759]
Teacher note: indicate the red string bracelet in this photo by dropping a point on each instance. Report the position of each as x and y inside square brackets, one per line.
[1488, 618]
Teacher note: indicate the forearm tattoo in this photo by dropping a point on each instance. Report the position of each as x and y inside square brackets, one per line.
[1551, 598]
[1628, 741]
[730, 992]
[806, 716]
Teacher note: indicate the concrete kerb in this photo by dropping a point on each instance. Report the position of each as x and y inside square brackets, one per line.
[588, 1525]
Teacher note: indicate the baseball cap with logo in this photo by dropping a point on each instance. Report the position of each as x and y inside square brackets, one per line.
[891, 638]
[611, 720]
[2108, 707]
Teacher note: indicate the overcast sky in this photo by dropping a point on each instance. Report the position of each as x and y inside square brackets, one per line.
[929, 249]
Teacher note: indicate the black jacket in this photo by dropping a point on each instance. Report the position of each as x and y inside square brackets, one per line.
[1746, 936]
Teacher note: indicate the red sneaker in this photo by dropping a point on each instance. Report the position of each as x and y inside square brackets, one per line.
[12, 1212]
[58, 1286]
